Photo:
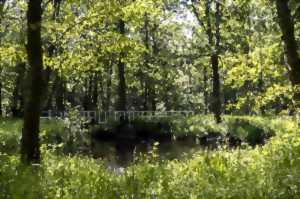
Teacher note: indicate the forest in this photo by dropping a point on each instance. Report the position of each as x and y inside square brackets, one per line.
[150, 99]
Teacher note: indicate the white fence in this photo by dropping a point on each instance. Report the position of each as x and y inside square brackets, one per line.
[103, 117]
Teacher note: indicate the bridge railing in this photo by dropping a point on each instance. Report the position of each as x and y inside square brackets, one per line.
[103, 117]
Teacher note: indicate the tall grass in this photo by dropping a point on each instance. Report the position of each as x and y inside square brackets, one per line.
[270, 171]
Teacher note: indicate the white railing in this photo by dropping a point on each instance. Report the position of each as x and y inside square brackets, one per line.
[103, 117]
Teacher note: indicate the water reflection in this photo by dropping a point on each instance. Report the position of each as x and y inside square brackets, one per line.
[122, 154]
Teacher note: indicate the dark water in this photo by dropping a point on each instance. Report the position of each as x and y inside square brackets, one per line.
[122, 154]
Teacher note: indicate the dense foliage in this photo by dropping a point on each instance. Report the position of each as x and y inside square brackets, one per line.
[165, 51]
[235, 64]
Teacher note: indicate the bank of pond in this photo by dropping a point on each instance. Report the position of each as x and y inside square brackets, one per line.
[173, 137]
[176, 137]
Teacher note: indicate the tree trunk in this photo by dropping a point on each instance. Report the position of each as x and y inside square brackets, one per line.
[2, 3]
[153, 93]
[145, 100]
[101, 92]
[214, 57]
[71, 97]
[108, 87]
[0, 98]
[205, 87]
[86, 100]
[49, 89]
[121, 69]
[17, 97]
[288, 36]
[95, 91]
[48, 105]
[146, 62]
[60, 93]
[153, 100]
[216, 103]
[30, 147]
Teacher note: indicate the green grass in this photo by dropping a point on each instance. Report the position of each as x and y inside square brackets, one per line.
[11, 131]
[270, 171]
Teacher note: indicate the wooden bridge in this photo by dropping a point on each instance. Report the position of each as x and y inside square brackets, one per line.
[104, 117]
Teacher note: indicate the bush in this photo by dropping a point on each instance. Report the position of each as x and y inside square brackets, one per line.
[252, 130]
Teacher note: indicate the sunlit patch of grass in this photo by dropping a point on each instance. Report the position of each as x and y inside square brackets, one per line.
[11, 131]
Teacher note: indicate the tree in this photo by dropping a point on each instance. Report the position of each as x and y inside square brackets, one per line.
[286, 24]
[30, 151]
[214, 43]
[2, 4]
[122, 103]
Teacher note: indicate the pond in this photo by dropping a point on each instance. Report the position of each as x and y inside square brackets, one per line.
[122, 154]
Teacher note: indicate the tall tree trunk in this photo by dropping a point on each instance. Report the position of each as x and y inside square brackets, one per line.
[205, 91]
[17, 97]
[153, 100]
[95, 91]
[216, 102]
[288, 36]
[86, 101]
[60, 93]
[71, 97]
[2, 3]
[102, 94]
[121, 69]
[108, 87]
[145, 103]
[49, 105]
[30, 147]
[0, 98]
[47, 98]
[88, 104]
[146, 63]
[153, 93]
[214, 42]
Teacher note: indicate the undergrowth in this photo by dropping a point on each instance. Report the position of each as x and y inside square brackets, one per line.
[271, 171]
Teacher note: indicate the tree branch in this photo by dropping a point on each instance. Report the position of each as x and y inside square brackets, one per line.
[196, 13]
